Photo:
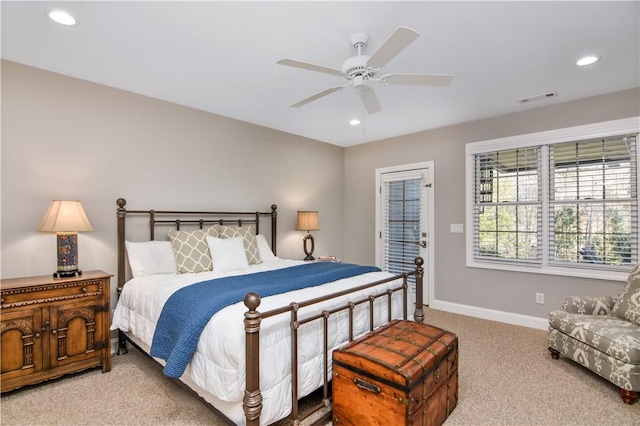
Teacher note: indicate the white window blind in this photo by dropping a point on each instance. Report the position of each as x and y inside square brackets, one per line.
[557, 205]
[402, 199]
[593, 208]
[507, 208]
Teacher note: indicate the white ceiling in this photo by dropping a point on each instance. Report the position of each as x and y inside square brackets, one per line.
[221, 56]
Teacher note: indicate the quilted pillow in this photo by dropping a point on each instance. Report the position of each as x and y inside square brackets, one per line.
[191, 250]
[248, 234]
[627, 306]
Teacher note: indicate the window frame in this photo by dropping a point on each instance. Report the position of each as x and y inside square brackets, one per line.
[589, 131]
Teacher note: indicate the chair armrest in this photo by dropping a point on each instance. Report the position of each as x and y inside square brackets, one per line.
[589, 305]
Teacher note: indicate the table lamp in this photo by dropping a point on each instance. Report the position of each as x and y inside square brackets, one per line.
[66, 219]
[308, 221]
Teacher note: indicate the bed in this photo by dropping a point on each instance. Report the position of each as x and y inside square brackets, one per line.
[257, 357]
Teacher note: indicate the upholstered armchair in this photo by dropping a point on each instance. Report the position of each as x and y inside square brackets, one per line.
[603, 335]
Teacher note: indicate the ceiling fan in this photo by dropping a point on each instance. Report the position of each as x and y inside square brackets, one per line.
[362, 69]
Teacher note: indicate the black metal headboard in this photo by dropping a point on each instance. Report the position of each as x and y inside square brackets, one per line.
[177, 218]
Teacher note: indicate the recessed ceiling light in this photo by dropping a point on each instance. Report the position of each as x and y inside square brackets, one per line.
[61, 17]
[354, 122]
[587, 60]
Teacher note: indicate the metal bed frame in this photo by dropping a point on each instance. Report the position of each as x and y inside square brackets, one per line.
[252, 401]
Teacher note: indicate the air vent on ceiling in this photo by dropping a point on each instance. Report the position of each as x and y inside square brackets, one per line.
[538, 97]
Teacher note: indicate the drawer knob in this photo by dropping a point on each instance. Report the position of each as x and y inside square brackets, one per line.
[85, 290]
[37, 335]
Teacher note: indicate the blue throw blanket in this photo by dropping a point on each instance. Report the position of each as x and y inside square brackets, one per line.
[188, 310]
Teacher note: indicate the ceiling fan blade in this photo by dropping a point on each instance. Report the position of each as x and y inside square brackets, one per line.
[318, 95]
[309, 66]
[418, 79]
[400, 39]
[370, 100]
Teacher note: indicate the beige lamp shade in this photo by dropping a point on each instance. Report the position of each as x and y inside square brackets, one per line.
[308, 221]
[65, 216]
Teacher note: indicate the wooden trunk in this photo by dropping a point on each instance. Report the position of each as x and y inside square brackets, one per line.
[403, 373]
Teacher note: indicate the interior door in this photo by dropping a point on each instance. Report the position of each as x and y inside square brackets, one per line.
[403, 222]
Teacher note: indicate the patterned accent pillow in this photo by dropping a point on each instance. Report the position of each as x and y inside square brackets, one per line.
[191, 250]
[248, 233]
[627, 306]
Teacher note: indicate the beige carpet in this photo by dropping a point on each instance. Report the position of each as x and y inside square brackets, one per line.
[507, 377]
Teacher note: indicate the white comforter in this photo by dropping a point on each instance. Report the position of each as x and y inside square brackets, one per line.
[218, 365]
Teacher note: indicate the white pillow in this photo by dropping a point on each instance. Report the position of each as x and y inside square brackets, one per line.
[150, 258]
[265, 250]
[249, 235]
[227, 254]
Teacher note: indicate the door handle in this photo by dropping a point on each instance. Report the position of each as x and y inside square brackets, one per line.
[422, 243]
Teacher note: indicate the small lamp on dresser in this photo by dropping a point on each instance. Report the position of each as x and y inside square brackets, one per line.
[66, 219]
[308, 221]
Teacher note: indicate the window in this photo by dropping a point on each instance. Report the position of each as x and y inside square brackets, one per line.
[402, 200]
[593, 202]
[560, 202]
[508, 207]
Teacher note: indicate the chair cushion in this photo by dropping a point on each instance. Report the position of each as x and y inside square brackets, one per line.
[615, 337]
[592, 305]
[627, 306]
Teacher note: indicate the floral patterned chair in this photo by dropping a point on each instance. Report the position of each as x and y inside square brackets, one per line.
[603, 335]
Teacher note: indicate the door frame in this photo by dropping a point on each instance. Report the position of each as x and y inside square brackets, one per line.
[428, 281]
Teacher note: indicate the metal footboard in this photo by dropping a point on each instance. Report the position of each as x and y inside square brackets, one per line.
[252, 402]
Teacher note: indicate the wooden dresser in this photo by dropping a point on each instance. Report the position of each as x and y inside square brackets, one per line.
[53, 326]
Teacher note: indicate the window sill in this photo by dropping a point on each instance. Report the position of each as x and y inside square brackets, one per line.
[554, 270]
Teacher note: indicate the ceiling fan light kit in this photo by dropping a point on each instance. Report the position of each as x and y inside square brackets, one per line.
[361, 69]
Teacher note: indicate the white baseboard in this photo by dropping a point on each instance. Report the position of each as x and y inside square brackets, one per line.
[490, 314]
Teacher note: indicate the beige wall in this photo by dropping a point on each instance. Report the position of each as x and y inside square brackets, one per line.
[71, 139]
[64, 138]
[454, 282]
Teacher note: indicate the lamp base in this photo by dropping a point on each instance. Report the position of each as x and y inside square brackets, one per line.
[67, 255]
[307, 251]
[67, 274]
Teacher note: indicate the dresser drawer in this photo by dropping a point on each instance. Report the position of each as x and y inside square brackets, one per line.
[31, 295]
